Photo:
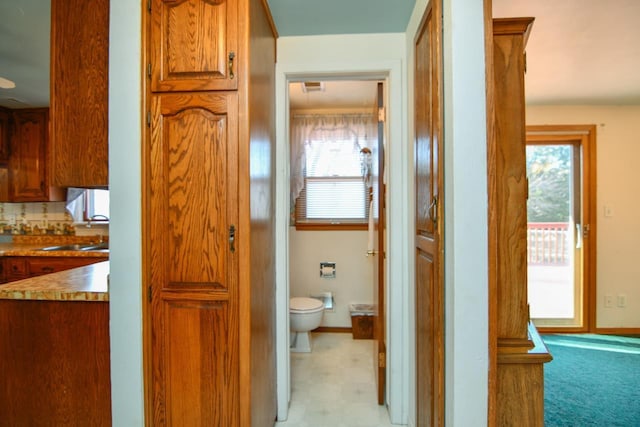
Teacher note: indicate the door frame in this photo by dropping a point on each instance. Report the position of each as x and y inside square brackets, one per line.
[586, 134]
[397, 322]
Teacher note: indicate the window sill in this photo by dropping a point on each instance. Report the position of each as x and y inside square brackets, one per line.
[329, 227]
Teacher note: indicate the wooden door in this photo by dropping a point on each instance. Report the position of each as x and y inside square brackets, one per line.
[429, 284]
[194, 45]
[28, 156]
[194, 239]
[379, 319]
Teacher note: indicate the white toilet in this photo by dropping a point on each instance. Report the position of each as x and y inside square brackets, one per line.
[305, 314]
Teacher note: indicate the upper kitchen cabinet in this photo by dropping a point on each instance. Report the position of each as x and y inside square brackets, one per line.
[4, 135]
[79, 93]
[28, 167]
[194, 45]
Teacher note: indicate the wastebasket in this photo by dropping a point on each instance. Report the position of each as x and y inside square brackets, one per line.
[361, 321]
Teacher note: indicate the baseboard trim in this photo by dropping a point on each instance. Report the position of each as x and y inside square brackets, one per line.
[340, 329]
[603, 331]
[618, 331]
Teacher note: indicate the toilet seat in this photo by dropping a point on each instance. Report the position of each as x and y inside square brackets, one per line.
[305, 305]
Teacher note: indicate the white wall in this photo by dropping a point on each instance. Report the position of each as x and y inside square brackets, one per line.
[465, 204]
[618, 178]
[354, 271]
[125, 289]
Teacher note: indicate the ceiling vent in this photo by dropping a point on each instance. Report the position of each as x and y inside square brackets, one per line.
[312, 87]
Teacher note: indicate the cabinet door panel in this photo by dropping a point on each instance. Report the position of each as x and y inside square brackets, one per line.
[79, 93]
[28, 156]
[4, 135]
[193, 271]
[200, 360]
[194, 45]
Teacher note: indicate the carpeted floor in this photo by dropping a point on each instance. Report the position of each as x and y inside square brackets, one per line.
[593, 380]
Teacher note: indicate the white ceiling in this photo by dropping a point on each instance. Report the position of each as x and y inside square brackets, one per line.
[579, 52]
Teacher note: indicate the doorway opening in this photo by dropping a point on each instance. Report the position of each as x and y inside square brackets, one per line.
[336, 215]
[561, 227]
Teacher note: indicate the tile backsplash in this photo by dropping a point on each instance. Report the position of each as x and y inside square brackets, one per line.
[41, 218]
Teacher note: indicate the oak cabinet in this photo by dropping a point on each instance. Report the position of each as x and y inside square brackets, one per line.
[194, 45]
[55, 363]
[28, 163]
[209, 213]
[4, 135]
[520, 354]
[23, 267]
[79, 93]
[194, 141]
[5, 116]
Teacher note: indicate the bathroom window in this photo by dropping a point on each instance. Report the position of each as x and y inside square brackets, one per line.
[334, 193]
[331, 170]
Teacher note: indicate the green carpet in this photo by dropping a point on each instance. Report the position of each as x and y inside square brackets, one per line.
[593, 380]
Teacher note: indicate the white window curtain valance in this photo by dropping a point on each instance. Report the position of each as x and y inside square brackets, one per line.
[308, 128]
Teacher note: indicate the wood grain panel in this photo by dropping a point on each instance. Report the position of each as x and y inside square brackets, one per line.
[54, 363]
[201, 364]
[425, 340]
[28, 165]
[191, 42]
[4, 135]
[261, 377]
[193, 268]
[429, 282]
[509, 199]
[79, 93]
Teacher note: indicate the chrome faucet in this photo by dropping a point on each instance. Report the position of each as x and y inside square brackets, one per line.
[104, 217]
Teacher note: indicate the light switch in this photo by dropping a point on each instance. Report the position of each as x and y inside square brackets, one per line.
[608, 211]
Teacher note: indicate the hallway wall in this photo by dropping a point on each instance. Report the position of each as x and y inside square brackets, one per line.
[617, 148]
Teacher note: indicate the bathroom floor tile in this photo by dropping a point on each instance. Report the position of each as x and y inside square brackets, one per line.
[334, 385]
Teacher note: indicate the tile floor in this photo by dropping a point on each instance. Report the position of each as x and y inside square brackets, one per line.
[334, 385]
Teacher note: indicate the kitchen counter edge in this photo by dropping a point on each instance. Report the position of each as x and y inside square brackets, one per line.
[88, 283]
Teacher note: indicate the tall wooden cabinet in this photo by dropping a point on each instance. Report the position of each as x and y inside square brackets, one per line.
[29, 159]
[4, 135]
[209, 214]
[520, 353]
[79, 93]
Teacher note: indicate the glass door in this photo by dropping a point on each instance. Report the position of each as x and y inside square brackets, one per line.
[555, 234]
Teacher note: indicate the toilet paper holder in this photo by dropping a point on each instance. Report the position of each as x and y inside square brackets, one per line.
[328, 270]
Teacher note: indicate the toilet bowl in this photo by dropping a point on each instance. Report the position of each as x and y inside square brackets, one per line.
[305, 314]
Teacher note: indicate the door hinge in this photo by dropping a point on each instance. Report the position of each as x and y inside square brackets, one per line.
[149, 69]
[149, 5]
[382, 360]
[149, 294]
[149, 118]
[381, 114]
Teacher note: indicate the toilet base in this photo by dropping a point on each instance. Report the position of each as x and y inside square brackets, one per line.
[300, 342]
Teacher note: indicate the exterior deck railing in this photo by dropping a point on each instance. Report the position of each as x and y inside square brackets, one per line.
[548, 243]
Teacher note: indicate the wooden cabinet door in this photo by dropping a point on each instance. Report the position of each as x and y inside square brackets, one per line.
[193, 266]
[4, 135]
[194, 45]
[79, 93]
[27, 180]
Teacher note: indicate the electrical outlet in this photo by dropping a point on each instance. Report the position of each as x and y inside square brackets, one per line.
[608, 301]
[622, 300]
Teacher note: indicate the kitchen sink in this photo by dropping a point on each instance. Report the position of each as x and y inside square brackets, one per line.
[78, 247]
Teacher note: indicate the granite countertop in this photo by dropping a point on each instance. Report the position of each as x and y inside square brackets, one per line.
[88, 283]
[33, 249]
